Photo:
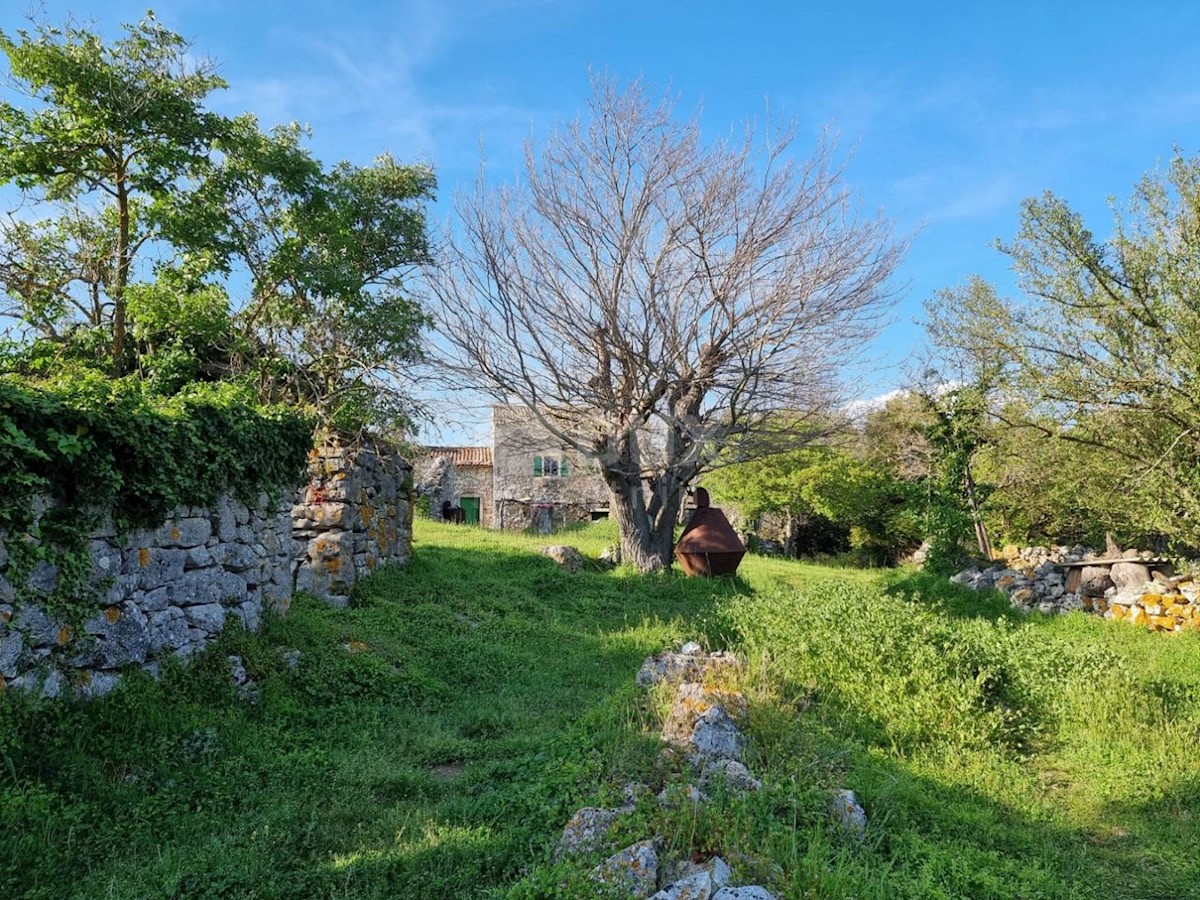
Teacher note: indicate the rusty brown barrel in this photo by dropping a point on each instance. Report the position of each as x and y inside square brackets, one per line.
[709, 545]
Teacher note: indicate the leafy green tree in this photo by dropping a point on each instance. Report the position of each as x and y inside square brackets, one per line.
[113, 132]
[330, 321]
[1103, 340]
[153, 208]
[828, 491]
[957, 429]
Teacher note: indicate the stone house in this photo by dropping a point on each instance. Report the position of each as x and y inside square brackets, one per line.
[462, 476]
[537, 482]
[526, 479]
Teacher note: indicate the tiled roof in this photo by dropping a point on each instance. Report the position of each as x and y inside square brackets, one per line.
[465, 456]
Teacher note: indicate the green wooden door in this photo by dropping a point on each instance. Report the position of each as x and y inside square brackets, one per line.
[470, 506]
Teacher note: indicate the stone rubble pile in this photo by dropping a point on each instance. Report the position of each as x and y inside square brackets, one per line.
[702, 730]
[1141, 588]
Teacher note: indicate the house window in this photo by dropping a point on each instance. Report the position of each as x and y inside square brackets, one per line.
[551, 467]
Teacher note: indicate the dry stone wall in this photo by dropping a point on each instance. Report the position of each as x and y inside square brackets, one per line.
[171, 590]
[166, 591]
[1140, 590]
[355, 514]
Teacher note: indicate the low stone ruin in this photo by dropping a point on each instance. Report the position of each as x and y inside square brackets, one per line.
[701, 734]
[1131, 585]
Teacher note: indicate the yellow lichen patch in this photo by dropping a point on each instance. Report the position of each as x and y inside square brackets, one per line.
[356, 646]
[1138, 616]
[64, 636]
[112, 614]
[175, 533]
[370, 562]
[5, 617]
[1166, 623]
[1153, 599]
[144, 557]
[333, 564]
[1118, 611]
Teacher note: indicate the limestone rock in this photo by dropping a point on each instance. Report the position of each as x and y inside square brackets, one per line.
[718, 871]
[1127, 576]
[587, 830]
[633, 869]
[848, 813]
[693, 700]
[697, 886]
[567, 557]
[691, 663]
[97, 684]
[208, 617]
[246, 688]
[735, 775]
[122, 637]
[12, 646]
[716, 736]
[752, 892]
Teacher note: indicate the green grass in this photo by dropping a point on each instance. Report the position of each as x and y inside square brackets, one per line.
[491, 694]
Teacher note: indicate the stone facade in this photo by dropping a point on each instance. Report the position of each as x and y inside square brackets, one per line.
[355, 514]
[455, 474]
[171, 590]
[530, 487]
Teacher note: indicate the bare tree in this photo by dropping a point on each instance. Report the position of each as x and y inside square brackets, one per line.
[662, 304]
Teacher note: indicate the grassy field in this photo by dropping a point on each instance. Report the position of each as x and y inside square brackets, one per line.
[435, 737]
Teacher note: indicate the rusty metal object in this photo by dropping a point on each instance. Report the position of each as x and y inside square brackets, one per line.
[709, 545]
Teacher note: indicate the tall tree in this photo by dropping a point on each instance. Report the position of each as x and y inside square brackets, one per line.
[1103, 341]
[111, 131]
[658, 300]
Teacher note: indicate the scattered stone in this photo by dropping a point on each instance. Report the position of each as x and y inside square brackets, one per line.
[634, 869]
[848, 813]
[735, 775]
[631, 793]
[751, 892]
[720, 875]
[676, 796]
[587, 830]
[91, 684]
[689, 664]
[247, 689]
[567, 557]
[291, 658]
[697, 886]
[611, 555]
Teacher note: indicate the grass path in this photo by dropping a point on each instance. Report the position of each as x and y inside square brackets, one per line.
[436, 735]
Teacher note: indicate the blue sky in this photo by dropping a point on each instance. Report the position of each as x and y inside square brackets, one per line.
[954, 111]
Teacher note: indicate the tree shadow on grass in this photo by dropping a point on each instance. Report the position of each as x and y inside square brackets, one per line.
[945, 837]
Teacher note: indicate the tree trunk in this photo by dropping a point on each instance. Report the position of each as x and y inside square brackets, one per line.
[122, 278]
[981, 535]
[645, 542]
[789, 536]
